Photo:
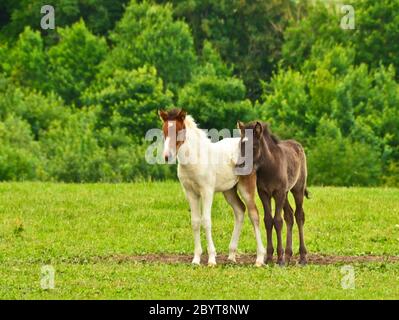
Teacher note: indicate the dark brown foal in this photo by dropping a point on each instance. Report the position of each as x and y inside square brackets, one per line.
[280, 167]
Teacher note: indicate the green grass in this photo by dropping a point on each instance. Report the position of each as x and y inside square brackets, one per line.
[69, 225]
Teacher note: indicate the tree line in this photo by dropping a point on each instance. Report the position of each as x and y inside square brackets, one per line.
[76, 102]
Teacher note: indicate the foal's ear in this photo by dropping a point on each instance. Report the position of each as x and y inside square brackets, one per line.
[241, 126]
[163, 115]
[258, 130]
[182, 115]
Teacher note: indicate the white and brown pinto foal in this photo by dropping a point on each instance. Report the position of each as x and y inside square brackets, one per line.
[203, 169]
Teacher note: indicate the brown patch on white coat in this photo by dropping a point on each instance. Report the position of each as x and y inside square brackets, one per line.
[173, 130]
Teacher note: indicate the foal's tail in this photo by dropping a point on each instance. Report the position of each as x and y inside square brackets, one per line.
[307, 193]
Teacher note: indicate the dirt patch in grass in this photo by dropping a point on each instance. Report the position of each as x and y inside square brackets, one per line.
[248, 259]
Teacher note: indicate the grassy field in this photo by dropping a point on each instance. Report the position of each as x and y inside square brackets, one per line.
[78, 229]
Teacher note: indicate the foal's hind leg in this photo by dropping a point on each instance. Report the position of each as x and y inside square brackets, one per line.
[238, 206]
[289, 220]
[300, 220]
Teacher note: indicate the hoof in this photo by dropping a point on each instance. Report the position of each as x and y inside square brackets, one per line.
[232, 259]
[212, 264]
[260, 260]
[303, 262]
[281, 263]
[259, 264]
[269, 261]
[196, 262]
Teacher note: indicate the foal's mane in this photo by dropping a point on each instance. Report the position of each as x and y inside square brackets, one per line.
[269, 135]
[190, 122]
[191, 125]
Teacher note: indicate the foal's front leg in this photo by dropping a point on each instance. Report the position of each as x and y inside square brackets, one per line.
[207, 199]
[195, 204]
[278, 225]
[268, 219]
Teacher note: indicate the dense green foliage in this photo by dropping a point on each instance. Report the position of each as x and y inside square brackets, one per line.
[147, 34]
[100, 15]
[77, 101]
[248, 34]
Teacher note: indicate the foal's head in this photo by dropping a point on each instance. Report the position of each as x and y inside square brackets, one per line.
[251, 131]
[262, 140]
[173, 131]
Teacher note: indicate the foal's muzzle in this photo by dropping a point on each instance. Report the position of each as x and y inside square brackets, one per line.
[168, 156]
